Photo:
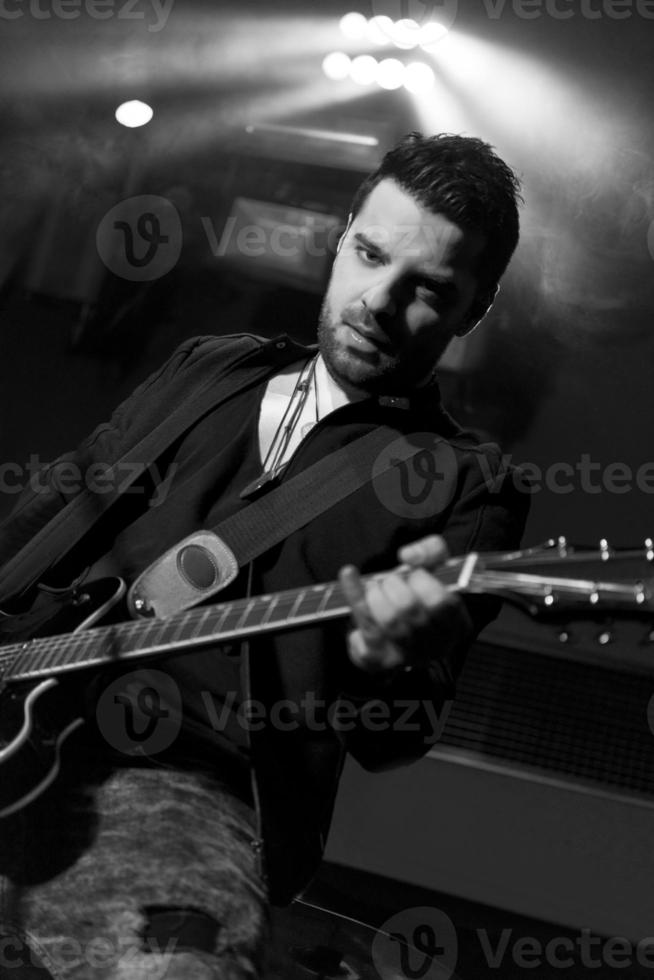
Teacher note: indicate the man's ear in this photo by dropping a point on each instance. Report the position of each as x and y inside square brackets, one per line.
[480, 307]
[347, 228]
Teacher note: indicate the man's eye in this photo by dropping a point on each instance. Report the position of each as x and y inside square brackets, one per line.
[367, 255]
[432, 294]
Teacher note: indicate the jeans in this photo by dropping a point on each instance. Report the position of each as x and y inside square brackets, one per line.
[148, 874]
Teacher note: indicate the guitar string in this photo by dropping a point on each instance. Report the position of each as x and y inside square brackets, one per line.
[187, 618]
[295, 597]
[190, 617]
[127, 629]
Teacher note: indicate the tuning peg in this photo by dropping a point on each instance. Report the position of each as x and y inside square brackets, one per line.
[605, 637]
[649, 549]
[605, 550]
[564, 635]
[562, 545]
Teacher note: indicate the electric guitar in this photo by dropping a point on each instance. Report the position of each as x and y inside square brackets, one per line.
[551, 581]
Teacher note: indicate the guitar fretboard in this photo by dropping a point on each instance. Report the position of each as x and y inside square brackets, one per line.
[229, 621]
[194, 628]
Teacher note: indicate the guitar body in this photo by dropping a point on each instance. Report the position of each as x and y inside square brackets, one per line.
[36, 717]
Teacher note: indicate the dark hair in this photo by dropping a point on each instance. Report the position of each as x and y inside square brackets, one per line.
[463, 179]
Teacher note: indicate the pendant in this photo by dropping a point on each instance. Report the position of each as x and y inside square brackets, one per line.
[257, 484]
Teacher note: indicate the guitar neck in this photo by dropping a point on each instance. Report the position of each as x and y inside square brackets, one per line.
[225, 622]
[509, 575]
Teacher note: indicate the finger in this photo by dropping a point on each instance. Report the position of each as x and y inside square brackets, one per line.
[428, 552]
[356, 594]
[352, 584]
[370, 657]
[394, 604]
[429, 590]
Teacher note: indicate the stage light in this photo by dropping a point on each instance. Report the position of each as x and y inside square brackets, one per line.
[418, 78]
[390, 73]
[406, 33]
[353, 25]
[431, 33]
[336, 65]
[363, 70]
[133, 114]
[380, 30]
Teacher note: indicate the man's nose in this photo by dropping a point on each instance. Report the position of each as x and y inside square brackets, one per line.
[382, 297]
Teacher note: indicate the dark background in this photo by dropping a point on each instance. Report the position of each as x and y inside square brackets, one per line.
[562, 366]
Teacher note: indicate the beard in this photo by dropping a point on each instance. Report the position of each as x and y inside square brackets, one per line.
[382, 372]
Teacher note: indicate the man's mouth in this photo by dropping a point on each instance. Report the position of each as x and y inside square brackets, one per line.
[366, 340]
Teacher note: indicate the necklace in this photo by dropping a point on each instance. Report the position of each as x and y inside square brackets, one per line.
[313, 382]
[275, 460]
[275, 457]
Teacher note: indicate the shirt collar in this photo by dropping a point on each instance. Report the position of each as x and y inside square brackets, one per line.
[331, 396]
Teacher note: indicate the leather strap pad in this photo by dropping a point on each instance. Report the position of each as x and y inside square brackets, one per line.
[194, 569]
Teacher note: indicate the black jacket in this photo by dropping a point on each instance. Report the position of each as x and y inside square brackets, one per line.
[476, 505]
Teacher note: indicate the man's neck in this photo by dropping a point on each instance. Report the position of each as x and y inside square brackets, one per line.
[333, 394]
[342, 394]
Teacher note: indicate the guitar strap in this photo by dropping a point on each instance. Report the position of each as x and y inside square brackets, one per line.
[70, 524]
[205, 562]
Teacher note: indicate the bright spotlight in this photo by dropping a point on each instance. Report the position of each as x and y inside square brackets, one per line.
[134, 114]
[380, 30]
[336, 65]
[431, 33]
[363, 70]
[390, 73]
[418, 78]
[353, 25]
[406, 33]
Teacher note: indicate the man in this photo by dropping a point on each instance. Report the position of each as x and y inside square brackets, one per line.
[161, 863]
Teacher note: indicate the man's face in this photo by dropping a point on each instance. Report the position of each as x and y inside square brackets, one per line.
[404, 282]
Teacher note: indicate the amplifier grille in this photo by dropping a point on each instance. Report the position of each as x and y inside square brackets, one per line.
[558, 717]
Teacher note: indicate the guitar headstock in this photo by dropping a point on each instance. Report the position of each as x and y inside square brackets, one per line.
[560, 581]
